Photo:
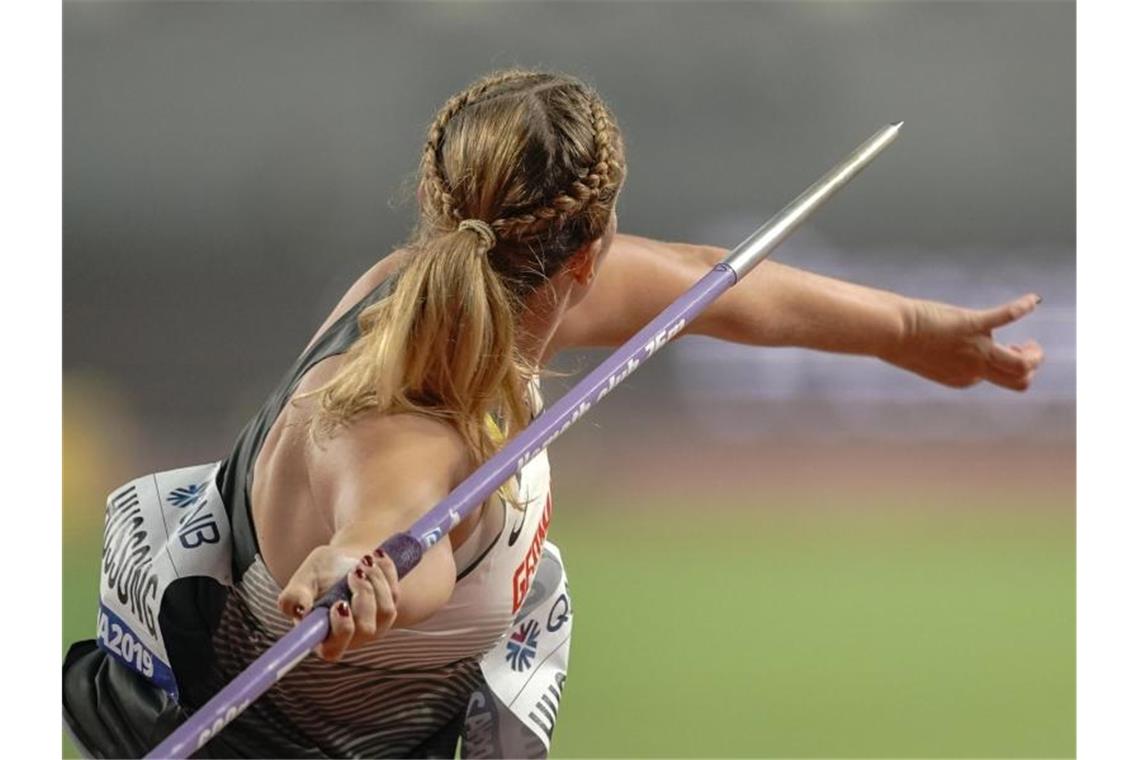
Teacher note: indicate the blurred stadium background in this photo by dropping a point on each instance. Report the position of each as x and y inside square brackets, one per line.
[772, 552]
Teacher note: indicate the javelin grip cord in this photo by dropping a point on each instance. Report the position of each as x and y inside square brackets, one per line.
[408, 547]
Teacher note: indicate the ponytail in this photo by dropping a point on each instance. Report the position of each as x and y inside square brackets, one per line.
[519, 172]
[441, 344]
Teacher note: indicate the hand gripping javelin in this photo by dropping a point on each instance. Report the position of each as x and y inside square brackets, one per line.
[408, 547]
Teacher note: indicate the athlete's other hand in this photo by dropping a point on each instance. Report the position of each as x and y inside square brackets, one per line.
[956, 347]
[375, 590]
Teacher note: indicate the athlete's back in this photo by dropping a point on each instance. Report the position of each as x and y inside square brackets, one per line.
[401, 695]
[393, 695]
[293, 475]
[413, 381]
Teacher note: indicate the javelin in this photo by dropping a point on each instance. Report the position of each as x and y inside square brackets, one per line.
[408, 547]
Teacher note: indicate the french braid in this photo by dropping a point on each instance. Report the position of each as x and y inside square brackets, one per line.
[599, 185]
[519, 172]
[434, 183]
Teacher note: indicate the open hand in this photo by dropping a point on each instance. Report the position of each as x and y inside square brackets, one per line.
[956, 347]
[372, 582]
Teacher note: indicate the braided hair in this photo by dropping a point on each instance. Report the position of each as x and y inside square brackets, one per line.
[519, 172]
[548, 194]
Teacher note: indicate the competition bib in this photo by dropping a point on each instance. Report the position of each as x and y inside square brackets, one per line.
[513, 713]
[158, 528]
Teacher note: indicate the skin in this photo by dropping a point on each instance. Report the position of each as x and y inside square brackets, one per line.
[320, 511]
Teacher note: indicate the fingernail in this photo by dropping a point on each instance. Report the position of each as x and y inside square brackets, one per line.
[1039, 299]
[298, 610]
[342, 609]
[368, 560]
[379, 553]
[359, 573]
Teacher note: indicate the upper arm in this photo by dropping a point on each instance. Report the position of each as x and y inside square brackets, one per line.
[637, 280]
[379, 476]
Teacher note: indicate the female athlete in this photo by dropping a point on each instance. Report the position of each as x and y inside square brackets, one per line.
[429, 361]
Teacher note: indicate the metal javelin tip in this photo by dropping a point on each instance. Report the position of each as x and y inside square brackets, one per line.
[757, 247]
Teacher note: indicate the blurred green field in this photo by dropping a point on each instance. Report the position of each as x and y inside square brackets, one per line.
[801, 630]
[806, 633]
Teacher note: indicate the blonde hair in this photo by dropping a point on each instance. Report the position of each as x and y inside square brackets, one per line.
[538, 159]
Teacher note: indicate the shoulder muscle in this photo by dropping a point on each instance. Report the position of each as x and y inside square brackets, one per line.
[378, 477]
[637, 280]
[386, 468]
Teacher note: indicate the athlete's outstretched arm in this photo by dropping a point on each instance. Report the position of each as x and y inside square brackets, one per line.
[376, 478]
[779, 305]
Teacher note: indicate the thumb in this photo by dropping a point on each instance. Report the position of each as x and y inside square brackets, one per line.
[999, 316]
[296, 599]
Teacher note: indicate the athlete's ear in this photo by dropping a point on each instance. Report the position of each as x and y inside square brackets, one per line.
[583, 265]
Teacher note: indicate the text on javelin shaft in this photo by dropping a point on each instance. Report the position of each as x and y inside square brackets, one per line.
[660, 339]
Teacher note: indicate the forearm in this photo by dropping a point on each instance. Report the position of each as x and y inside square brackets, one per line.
[775, 305]
[779, 305]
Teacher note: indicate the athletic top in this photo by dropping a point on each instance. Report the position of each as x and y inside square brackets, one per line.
[386, 699]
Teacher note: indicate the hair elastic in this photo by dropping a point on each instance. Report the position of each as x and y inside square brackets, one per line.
[486, 234]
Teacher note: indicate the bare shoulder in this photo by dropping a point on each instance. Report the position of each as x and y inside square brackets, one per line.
[374, 434]
[638, 278]
[406, 462]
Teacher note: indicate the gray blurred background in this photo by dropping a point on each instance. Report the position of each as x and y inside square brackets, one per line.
[231, 168]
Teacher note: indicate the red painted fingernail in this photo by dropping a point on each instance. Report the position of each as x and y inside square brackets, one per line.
[298, 610]
[342, 609]
[379, 553]
[359, 573]
[368, 560]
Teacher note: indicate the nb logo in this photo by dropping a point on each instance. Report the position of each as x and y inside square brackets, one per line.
[197, 528]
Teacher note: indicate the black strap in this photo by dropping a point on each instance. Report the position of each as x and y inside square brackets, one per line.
[237, 471]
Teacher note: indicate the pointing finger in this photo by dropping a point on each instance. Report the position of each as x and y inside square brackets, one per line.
[999, 316]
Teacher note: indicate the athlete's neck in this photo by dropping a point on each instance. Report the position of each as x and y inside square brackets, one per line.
[539, 321]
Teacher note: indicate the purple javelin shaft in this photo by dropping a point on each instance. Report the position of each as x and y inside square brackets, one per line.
[407, 548]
